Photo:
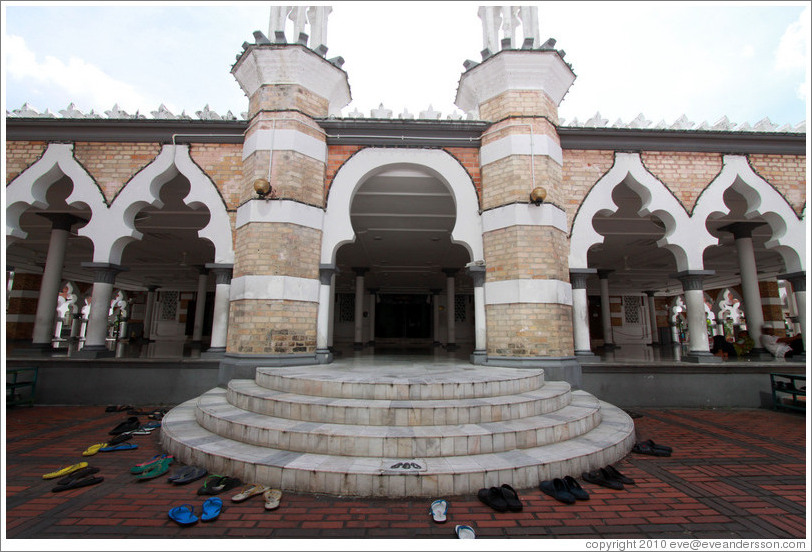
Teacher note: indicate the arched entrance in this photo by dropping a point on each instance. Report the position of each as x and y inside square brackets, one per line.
[400, 228]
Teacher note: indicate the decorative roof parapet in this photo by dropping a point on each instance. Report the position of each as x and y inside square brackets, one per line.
[683, 123]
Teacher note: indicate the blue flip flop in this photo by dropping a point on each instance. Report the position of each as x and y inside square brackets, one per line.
[183, 514]
[122, 446]
[211, 508]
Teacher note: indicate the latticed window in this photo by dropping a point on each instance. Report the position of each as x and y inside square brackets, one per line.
[631, 309]
[169, 305]
[459, 308]
[346, 307]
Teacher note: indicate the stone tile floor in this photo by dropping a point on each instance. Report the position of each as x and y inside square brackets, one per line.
[735, 473]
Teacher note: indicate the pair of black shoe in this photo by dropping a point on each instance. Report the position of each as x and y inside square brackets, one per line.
[607, 477]
[131, 424]
[216, 484]
[79, 478]
[651, 448]
[501, 499]
[566, 490]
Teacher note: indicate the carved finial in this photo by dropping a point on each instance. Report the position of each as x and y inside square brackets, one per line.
[640, 122]
[381, 113]
[355, 114]
[162, 113]
[430, 113]
[406, 114]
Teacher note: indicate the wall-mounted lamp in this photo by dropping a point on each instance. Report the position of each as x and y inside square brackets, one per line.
[538, 195]
[262, 187]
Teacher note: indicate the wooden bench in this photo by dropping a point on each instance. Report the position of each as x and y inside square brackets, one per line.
[18, 379]
[787, 392]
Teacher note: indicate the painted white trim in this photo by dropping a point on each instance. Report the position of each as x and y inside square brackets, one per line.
[519, 144]
[528, 291]
[287, 139]
[524, 214]
[281, 211]
[290, 288]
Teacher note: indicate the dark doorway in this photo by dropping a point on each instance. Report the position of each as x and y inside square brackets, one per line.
[403, 315]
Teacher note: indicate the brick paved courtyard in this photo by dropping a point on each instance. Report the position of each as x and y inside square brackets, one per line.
[734, 474]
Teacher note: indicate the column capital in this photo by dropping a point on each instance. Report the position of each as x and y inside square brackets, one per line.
[435, 291]
[222, 272]
[450, 272]
[360, 270]
[326, 272]
[797, 279]
[578, 276]
[477, 274]
[152, 288]
[741, 229]
[61, 221]
[104, 273]
[603, 273]
[650, 292]
[373, 291]
[692, 279]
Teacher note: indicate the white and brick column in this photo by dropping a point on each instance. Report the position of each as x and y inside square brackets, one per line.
[323, 354]
[222, 291]
[580, 312]
[698, 343]
[480, 353]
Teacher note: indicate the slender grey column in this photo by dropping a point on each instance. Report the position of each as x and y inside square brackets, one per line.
[222, 292]
[149, 310]
[652, 314]
[331, 325]
[359, 308]
[451, 341]
[200, 306]
[743, 236]
[606, 314]
[798, 281]
[51, 279]
[103, 278]
[698, 343]
[75, 324]
[480, 353]
[435, 307]
[373, 296]
[580, 311]
[323, 354]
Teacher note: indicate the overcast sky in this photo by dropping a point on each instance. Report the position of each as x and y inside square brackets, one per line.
[660, 59]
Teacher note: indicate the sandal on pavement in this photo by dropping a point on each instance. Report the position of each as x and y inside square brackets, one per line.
[557, 489]
[464, 532]
[131, 424]
[272, 498]
[512, 498]
[118, 439]
[183, 514]
[122, 446]
[191, 473]
[93, 449]
[226, 484]
[78, 482]
[438, 510]
[209, 484]
[602, 478]
[617, 476]
[644, 448]
[211, 508]
[144, 466]
[248, 491]
[156, 470]
[65, 471]
[493, 498]
[78, 474]
[575, 489]
[652, 444]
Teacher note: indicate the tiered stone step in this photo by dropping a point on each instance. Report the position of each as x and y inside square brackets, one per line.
[350, 431]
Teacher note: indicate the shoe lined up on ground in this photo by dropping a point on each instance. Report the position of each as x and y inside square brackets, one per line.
[607, 477]
[439, 511]
[558, 489]
[80, 478]
[216, 484]
[248, 491]
[650, 448]
[501, 499]
[186, 474]
[131, 424]
[464, 532]
[272, 498]
[61, 472]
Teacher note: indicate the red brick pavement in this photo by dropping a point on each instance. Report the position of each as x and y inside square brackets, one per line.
[734, 474]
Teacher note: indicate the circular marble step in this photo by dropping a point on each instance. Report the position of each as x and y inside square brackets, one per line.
[217, 415]
[293, 471]
[247, 395]
[417, 381]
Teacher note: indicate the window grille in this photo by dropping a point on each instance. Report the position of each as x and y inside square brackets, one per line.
[169, 305]
[631, 309]
[459, 308]
[346, 307]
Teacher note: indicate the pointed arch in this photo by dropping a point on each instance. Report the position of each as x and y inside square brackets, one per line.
[682, 237]
[763, 200]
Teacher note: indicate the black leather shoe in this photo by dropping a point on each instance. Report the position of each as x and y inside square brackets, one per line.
[493, 498]
[558, 490]
[511, 498]
[601, 477]
[617, 476]
[575, 488]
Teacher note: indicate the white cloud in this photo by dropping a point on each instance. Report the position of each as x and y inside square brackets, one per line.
[748, 51]
[793, 49]
[77, 80]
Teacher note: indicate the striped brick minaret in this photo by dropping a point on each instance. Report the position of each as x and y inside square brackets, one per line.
[528, 296]
[275, 285]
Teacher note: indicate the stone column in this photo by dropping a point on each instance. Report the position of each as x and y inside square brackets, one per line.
[148, 314]
[275, 290]
[698, 343]
[743, 235]
[435, 311]
[323, 354]
[200, 306]
[104, 276]
[222, 291]
[451, 339]
[580, 312]
[373, 297]
[606, 313]
[798, 282]
[652, 310]
[480, 353]
[75, 325]
[359, 308]
[331, 324]
[44, 321]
